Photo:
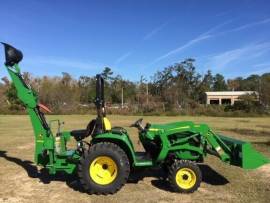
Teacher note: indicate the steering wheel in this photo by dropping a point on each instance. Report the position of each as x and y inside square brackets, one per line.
[138, 124]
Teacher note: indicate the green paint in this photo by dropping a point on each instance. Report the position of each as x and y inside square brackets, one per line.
[45, 154]
[182, 140]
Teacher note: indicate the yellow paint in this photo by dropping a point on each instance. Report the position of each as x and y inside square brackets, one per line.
[178, 128]
[103, 170]
[183, 127]
[107, 124]
[185, 178]
[153, 129]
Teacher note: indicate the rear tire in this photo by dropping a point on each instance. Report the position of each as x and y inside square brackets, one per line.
[104, 169]
[184, 176]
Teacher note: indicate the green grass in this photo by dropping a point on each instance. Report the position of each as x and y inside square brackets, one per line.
[222, 183]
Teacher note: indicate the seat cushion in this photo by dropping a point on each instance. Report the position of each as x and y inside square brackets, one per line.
[79, 134]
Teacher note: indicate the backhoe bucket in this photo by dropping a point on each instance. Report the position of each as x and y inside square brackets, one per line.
[242, 154]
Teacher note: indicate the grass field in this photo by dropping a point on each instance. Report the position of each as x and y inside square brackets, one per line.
[20, 180]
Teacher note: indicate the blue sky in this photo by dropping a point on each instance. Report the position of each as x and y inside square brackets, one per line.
[137, 38]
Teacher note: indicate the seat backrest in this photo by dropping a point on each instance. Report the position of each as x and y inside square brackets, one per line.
[107, 124]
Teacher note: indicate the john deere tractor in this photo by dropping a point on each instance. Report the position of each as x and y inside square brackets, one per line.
[105, 155]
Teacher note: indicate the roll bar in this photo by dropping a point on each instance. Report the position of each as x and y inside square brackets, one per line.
[100, 104]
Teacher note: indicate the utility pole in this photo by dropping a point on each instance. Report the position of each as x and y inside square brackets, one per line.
[147, 99]
[122, 98]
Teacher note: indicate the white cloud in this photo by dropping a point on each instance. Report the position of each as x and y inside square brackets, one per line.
[246, 26]
[222, 60]
[210, 34]
[179, 49]
[146, 37]
[206, 35]
[154, 31]
[123, 57]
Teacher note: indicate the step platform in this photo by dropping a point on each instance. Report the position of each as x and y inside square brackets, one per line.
[143, 159]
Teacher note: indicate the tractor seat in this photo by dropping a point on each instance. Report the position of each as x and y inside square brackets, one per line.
[79, 134]
[83, 133]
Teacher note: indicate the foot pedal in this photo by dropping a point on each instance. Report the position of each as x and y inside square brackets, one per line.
[143, 159]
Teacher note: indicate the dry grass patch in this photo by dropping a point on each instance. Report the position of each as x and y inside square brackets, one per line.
[22, 181]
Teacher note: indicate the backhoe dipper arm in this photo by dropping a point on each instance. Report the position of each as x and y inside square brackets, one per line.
[30, 100]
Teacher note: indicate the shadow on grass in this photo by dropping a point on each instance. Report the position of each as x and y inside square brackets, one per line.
[209, 175]
[43, 175]
[212, 177]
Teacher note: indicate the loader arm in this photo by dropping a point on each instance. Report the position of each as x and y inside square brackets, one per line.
[228, 150]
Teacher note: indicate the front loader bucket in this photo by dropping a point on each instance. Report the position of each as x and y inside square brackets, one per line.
[242, 154]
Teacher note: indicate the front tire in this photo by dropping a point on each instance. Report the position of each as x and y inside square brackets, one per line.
[104, 169]
[184, 176]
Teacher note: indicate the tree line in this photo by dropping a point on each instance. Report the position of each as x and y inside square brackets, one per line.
[177, 89]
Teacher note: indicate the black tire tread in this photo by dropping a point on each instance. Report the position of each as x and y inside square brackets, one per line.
[181, 164]
[94, 148]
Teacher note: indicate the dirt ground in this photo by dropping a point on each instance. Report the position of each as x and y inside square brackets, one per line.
[22, 181]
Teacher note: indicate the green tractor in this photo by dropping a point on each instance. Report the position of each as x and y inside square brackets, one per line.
[104, 162]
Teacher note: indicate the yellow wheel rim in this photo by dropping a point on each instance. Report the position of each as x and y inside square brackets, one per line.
[103, 170]
[185, 178]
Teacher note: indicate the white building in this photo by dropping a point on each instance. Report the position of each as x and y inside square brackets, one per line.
[226, 97]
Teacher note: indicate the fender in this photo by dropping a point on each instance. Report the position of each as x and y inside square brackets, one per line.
[121, 140]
